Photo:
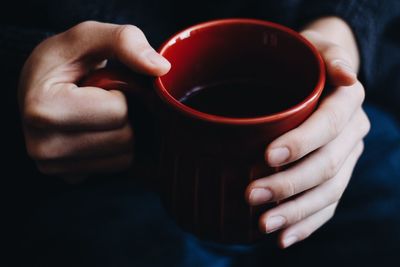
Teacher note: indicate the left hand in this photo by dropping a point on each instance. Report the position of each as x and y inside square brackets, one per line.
[326, 146]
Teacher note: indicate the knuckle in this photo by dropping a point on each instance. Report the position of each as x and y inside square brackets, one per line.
[31, 115]
[285, 189]
[313, 35]
[360, 148]
[42, 52]
[337, 190]
[356, 93]
[331, 167]
[118, 109]
[36, 115]
[330, 216]
[359, 92]
[43, 151]
[129, 38]
[127, 135]
[336, 51]
[296, 147]
[33, 150]
[298, 212]
[124, 32]
[334, 119]
[365, 126]
[330, 212]
[81, 29]
[36, 106]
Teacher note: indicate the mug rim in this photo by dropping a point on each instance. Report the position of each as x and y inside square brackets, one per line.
[188, 111]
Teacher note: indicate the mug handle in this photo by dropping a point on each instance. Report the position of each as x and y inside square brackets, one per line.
[128, 82]
[140, 96]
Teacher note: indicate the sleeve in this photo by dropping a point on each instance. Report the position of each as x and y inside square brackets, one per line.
[16, 43]
[369, 20]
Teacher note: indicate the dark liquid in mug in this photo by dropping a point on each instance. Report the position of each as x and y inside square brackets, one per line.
[239, 99]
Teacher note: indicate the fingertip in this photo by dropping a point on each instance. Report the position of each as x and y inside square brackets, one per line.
[278, 156]
[247, 193]
[263, 224]
[258, 196]
[280, 242]
[341, 73]
[160, 65]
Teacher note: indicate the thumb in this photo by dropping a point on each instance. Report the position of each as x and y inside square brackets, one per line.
[339, 67]
[127, 43]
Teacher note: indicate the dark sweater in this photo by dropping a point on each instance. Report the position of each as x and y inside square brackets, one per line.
[23, 24]
[375, 23]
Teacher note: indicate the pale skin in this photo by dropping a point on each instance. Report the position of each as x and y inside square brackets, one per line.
[72, 131]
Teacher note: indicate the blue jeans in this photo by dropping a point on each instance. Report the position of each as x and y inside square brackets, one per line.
[116, 222]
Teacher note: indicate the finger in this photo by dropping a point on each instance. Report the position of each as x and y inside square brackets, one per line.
[50, 96]
[306, 227]
[312, 201]
[313, 170]
[69, 108]
[339, 67]
[86, 166]
[68, 145]
[323, 126]
[91, 42]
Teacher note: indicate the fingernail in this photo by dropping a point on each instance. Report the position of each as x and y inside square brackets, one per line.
[290, 240]
[259, 196]
[341, 64]
[274, 223]
[277, 156]
[157, 59]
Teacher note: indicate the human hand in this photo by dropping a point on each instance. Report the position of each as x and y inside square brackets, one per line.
[71, 130]
[325, 148]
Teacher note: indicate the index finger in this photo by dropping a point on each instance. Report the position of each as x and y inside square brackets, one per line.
[91, 42]
[323, 126]
[49, 94]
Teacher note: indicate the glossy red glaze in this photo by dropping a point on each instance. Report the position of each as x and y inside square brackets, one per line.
[206, 161]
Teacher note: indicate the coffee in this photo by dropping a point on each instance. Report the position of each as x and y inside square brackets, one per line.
[239, 99]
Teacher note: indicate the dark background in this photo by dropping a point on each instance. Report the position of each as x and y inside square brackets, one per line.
[114, 221]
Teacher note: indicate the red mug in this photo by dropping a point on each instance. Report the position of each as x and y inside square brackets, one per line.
[207, 160]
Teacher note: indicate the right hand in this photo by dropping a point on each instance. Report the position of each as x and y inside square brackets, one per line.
[75, 131]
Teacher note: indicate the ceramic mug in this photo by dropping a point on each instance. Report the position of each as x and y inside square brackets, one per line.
[207, 160]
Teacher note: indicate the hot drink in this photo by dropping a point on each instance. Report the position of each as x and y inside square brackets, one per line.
[239, 99]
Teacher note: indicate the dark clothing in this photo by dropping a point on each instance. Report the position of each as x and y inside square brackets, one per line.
[374, 22]
[113, 221]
